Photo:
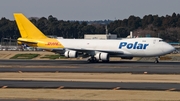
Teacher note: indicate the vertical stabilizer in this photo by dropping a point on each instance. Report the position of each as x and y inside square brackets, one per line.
[26, 28]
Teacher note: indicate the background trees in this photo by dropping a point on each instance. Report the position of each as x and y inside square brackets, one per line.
[166, 27]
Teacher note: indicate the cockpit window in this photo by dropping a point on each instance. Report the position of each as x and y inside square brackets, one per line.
[160, 40]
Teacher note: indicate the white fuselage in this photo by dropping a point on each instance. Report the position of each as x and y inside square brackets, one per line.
[135, 47]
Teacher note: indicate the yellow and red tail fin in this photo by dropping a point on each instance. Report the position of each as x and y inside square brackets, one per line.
[27, 29]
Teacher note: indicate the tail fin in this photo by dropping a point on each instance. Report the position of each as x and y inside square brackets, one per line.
[26, 28]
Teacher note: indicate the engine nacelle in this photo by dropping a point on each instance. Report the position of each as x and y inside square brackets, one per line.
[71, 54]
[102, 56]
[127, 58]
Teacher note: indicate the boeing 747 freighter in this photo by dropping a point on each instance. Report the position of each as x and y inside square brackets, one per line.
[97, 50]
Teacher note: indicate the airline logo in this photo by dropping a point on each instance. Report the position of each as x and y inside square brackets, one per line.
[134, 45]
[52, 43]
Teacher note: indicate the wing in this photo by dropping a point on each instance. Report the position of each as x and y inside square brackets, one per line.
[92, 51]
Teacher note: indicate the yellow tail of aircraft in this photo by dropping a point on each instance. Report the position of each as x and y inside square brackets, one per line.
[32, 36]
[26, 28]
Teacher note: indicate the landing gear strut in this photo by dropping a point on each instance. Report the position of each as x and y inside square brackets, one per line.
[157, 59]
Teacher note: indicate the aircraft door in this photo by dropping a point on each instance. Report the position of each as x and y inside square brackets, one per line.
[154, 41]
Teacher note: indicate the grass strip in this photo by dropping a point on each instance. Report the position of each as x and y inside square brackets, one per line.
[24, 56]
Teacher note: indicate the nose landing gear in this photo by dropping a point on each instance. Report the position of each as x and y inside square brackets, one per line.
[157, 59]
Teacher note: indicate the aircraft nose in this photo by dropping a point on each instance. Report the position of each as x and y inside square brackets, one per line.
[167, 48]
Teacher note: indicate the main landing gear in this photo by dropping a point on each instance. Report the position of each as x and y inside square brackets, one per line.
[157, 59]
[92, 59]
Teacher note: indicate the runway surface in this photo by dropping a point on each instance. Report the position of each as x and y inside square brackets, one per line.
[153, 70]
[84, 63]
[89, 85]
[82, 66]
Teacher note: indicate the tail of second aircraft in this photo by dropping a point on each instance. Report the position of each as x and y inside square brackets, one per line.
[26, 28]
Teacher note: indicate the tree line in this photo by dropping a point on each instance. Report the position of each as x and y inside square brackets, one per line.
[166, 27]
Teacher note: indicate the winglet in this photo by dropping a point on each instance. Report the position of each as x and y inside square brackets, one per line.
[27, 29]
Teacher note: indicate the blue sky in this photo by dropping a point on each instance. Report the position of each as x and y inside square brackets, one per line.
[88, 9]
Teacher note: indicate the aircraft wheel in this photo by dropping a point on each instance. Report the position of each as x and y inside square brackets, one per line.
[105, 61]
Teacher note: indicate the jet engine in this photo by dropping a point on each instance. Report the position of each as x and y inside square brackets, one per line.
[102, 56]
[71, 54]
